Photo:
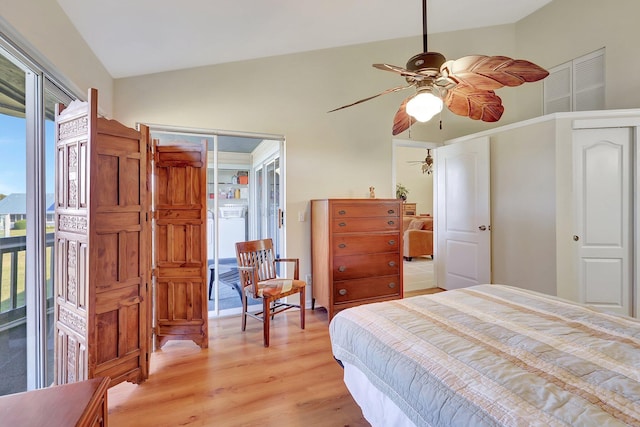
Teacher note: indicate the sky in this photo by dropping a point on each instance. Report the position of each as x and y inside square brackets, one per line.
[13, 157]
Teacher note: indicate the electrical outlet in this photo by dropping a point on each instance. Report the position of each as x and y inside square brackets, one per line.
[308, 279]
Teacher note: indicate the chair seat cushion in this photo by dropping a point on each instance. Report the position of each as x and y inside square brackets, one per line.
[275, 287]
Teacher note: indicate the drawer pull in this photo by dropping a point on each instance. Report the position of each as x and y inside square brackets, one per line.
[342, 212]
[342, 245]
[342, 269]
[392, 285]
[391, 222]
[392, 242]
[342, 292]
[342, 224]
[391, 211]
[392, 263]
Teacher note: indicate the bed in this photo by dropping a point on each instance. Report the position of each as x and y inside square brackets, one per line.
[489, 355]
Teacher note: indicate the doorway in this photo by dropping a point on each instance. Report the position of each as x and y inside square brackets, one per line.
[418, 274]
[244, 178]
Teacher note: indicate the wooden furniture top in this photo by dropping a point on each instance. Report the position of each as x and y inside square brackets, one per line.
[409, 209]
[64, 405]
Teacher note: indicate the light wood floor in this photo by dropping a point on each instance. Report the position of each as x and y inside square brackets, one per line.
[238, 382]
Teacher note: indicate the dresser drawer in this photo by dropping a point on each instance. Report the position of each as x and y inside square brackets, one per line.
[357, 225]
[360, 289]
[351, 244]
[370, 265]
[351, 210]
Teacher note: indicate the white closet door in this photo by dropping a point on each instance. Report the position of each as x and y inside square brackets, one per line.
[603, 237]
[463, 252]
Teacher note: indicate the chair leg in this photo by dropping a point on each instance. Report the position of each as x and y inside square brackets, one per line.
[266, 308]
[243, 296]
[211, 273]
[303, 305]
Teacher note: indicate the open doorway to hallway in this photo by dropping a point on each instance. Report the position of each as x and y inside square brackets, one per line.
[419, 205]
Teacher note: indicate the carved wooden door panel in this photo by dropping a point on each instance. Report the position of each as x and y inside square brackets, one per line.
[120, 250]
[180, 243]
[102, 242]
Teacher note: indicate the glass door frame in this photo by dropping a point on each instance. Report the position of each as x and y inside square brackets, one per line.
[39, 86]
[270, 154]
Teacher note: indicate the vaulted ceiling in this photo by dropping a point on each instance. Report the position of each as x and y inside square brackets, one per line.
[135, 37]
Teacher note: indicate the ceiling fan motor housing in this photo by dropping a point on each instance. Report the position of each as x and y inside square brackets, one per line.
[426, 60]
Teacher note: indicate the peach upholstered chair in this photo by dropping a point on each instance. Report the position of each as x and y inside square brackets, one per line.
[258, 279]
[418, 236]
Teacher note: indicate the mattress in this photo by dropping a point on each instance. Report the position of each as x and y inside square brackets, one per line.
[494, 355]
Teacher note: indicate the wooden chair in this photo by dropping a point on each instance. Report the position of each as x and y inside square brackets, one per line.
[258, 278]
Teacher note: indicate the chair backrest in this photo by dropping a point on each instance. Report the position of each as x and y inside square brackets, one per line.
[258, 254]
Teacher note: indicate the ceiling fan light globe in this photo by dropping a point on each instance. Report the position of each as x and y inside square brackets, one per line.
[424, 106]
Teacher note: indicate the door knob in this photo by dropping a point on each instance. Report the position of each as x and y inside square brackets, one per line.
[575, 238]
[482, 228]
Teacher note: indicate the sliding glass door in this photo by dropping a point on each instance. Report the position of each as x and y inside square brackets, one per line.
[13, 227]
[27, 144]
[241, 203]
[269, 200]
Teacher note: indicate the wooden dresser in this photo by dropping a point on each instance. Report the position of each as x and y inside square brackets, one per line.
[81, 404]
[356, 249]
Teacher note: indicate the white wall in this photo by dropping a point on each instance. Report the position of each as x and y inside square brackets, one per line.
[43, 26]
[329, 155]
[343, 153]
[532, 202]
[567, 29]
[523, 207]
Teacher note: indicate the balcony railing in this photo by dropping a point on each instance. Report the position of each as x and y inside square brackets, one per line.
[12, 278]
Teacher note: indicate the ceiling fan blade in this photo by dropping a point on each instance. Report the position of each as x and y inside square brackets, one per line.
[475, 103]
[394, 89]
[394, 68]
[402, 121]
[493, 72]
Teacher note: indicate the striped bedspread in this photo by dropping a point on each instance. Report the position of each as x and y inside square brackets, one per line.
[493, 355]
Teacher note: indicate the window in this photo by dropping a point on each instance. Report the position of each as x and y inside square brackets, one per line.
[577, 85]
[27, 103]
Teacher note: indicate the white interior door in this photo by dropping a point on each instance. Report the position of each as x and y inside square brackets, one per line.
[603, 236]
[463, 238]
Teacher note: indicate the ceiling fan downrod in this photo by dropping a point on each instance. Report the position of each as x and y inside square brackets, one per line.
[425, 59]
[424, 26]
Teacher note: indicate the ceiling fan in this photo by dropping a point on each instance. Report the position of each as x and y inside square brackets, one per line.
[427, 163]
[466, 85]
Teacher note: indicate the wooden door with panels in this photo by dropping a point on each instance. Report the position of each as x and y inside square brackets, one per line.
[180, 252]
[102, 270]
